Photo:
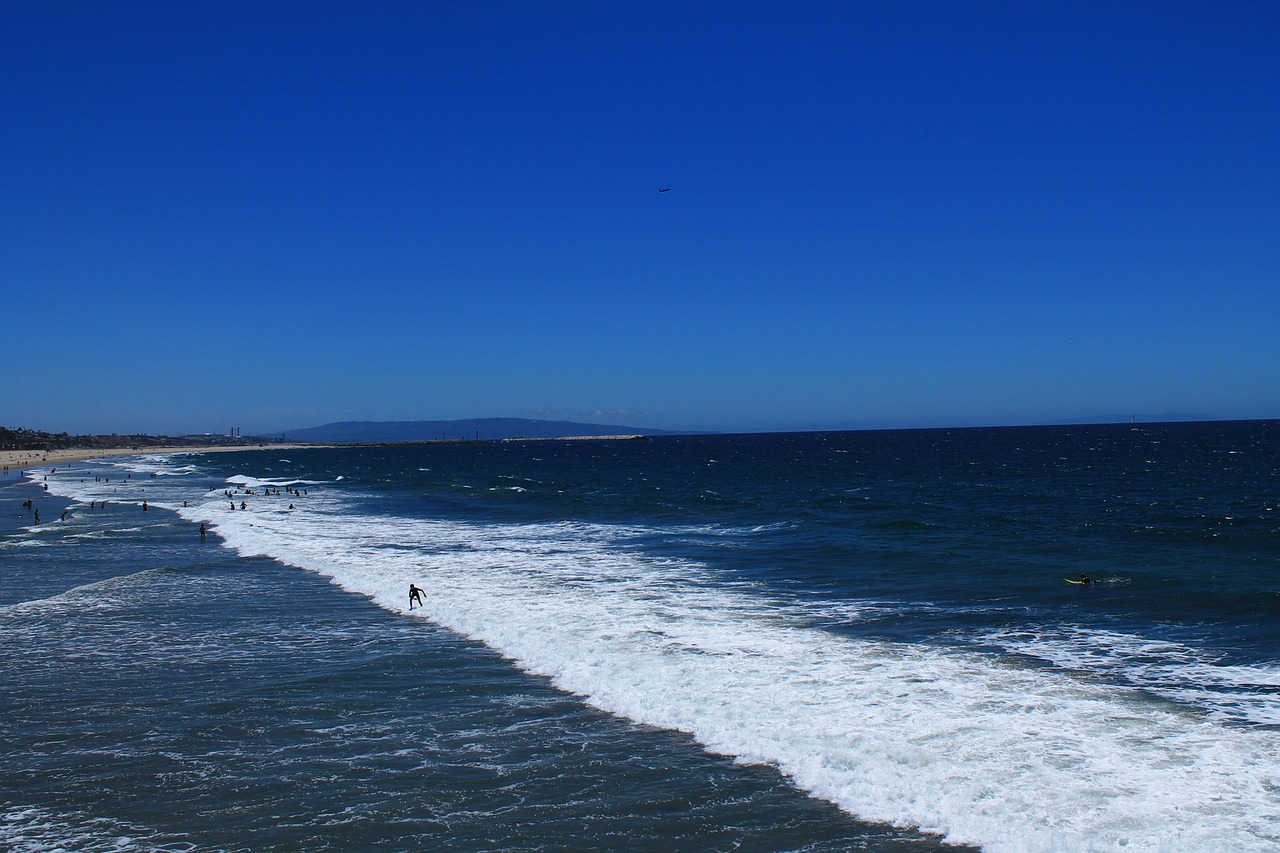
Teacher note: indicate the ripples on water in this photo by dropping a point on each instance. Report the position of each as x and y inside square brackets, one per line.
[881, 616]
[219, 703]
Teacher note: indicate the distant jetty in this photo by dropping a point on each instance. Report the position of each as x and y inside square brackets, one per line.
[586, 438]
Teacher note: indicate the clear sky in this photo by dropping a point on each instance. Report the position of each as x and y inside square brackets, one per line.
[280, 214]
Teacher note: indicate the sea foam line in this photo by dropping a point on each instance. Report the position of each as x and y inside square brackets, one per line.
[958, 744]
[26, 829]
[1241, 693]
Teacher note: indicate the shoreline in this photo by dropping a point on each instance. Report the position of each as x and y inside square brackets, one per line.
[21, 460]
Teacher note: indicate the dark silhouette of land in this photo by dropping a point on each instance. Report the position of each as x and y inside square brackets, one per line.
[471, 429]
[32, 439]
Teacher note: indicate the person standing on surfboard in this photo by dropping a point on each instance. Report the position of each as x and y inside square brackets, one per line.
[415, 594]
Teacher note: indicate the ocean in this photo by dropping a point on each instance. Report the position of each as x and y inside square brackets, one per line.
[771, 642]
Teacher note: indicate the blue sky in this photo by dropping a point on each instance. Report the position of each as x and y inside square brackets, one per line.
[281, 214]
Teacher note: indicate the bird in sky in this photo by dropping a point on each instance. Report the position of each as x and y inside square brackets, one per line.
[667, 190]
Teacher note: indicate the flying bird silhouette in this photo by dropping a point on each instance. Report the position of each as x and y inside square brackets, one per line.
[667, 190]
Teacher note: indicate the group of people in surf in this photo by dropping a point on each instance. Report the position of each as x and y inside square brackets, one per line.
[268, 491]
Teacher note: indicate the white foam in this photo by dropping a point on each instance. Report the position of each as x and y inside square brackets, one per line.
[958, 744]
[25, 829]
[1180, 672]
[159, 464]
[23, 540]
[106, 594]
[245, 480]
[970, 746]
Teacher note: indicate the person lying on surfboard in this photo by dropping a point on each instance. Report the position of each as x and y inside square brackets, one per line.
[1085, 578]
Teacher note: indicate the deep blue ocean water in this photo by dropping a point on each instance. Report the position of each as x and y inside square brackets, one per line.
[820, 641]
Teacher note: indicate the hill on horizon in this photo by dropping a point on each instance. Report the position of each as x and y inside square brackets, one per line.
[484, 429]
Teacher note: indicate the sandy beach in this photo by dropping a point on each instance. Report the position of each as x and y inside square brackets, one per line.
[17, 460]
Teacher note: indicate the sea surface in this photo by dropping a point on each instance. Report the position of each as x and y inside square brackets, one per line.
[799, 642]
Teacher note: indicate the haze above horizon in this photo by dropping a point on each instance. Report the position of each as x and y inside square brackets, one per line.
[725, 216]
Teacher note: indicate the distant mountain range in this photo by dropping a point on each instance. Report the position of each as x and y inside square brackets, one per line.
[490, 429]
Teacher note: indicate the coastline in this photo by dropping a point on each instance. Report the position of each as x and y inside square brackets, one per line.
[20, 460]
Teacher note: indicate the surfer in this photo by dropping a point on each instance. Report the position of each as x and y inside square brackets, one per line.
[415, 594]
[1085, 579]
